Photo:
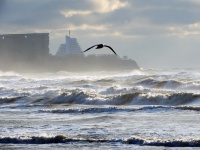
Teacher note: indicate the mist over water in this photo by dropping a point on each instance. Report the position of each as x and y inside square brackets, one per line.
[71, 63]
[116, 109]
[105, 101]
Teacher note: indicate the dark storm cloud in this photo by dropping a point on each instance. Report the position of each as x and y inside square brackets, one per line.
[151, 17]
[2, 4]
[156, 12]
[132, 19]
[167, 12]
[37, 13]
[134, 26]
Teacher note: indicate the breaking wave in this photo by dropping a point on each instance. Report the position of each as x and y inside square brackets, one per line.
[169, 84]
[112, 89]
[135, 98]
[8, 100]
[117, 109]
[92, 98]
[158, 84]
[132, 140]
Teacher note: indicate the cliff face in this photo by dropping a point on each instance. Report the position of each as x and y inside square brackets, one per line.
[72, 63]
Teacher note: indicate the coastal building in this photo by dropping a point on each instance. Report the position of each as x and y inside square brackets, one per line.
[71, 47]
[24, 47]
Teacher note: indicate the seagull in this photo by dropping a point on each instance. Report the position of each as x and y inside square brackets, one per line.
[100, 46]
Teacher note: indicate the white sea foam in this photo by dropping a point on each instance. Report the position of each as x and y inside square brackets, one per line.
[146, 107]
[137, 87]
[132, 140]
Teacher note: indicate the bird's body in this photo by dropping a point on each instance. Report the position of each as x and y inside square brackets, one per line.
[98, 46]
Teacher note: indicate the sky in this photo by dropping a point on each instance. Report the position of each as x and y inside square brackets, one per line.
[154, 33]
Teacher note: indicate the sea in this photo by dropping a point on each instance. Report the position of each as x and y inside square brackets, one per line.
[131, 109]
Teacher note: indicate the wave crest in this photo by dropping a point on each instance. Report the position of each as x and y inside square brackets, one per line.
[134, 98]
[132, 140]
[160, 84]
[92, 98]
[117, 109]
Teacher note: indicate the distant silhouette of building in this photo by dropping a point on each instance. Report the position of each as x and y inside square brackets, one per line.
[24, 47]
[30, 52]
[71, 47]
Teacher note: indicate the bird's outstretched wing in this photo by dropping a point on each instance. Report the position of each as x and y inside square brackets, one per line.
[110, 48]
[89, 48]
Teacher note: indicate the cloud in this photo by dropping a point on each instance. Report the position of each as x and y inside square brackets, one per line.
[185, 31]
[167, 12]
[126, 24]
[195, 1]
[88, 27]
[103, 6]
[121, 18]
[74, 12]
[2, 3]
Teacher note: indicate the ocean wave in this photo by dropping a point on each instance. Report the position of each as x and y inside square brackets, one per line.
[167, 82]
[135, 98]
[87, 110]
[162, 142]
[150, 82]
[105, 81]
[9, 74]
[190, 108]
[132, 140]
[103, 109]
[8, 100]
[117, 90]
[87, 97]
[117, 109]
[142, 98]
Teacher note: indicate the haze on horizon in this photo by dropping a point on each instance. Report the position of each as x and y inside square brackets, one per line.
[154, 33]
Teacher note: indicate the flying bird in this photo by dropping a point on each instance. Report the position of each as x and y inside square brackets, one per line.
[98, 46]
